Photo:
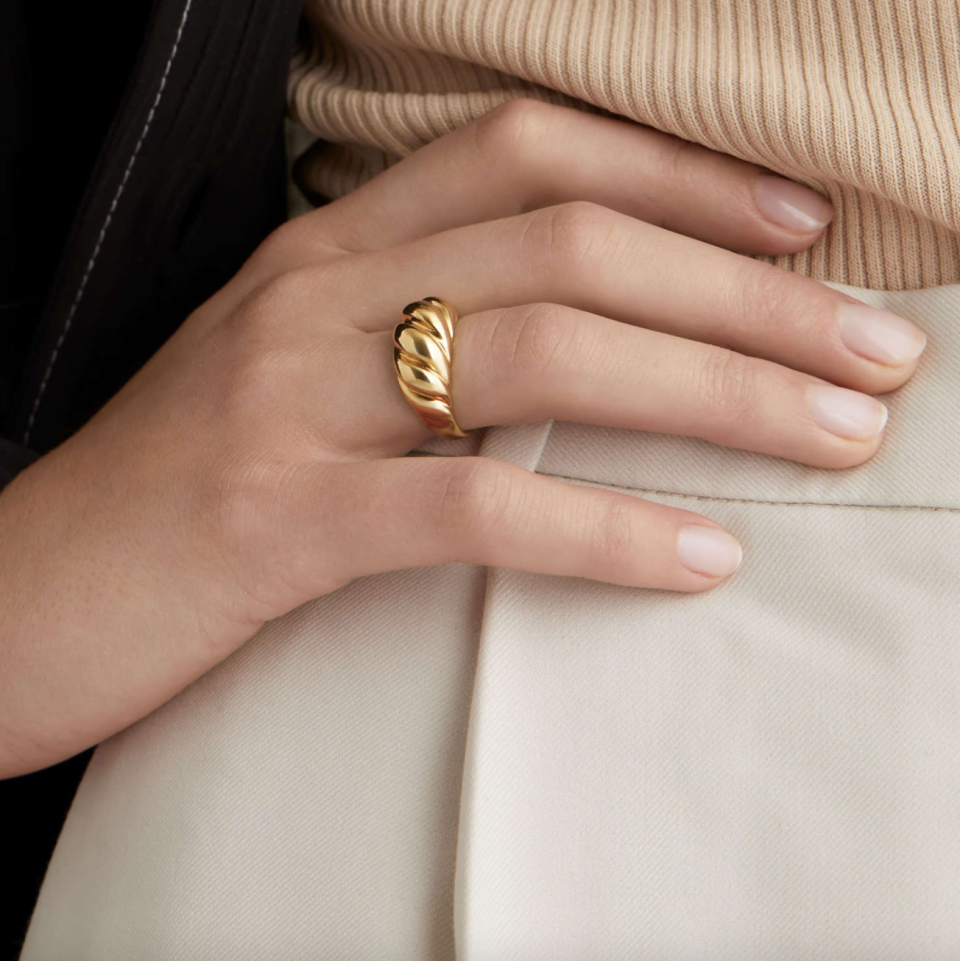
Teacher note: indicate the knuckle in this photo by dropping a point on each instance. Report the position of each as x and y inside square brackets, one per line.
[614, 534]
[275, 254]
[472, 497]
[682, 161]
[287, 288]
[275, 247]
[728, 384]
[770, 295]
[534, 340]
[269, 313]
[262, 354]
[510, 128]
[569, 236]
[265, 309]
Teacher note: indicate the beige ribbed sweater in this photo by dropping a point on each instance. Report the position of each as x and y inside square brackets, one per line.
[859, 99]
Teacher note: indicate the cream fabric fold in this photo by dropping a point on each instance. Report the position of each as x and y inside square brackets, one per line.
[300, 801]
[766, 771]
[859, 99]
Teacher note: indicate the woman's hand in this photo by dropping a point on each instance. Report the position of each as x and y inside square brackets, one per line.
[256, 461]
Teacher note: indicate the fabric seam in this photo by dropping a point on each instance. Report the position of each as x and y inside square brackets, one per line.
[543, 446]
[106, 225]
[458, 922]
[743, 500]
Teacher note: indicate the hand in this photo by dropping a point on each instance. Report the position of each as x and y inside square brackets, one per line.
[256, 461]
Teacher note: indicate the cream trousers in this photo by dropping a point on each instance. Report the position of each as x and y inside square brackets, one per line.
[490, 765]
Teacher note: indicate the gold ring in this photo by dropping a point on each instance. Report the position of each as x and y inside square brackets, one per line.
[423, 357]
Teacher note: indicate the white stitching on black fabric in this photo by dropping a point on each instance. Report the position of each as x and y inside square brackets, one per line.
[106, 224]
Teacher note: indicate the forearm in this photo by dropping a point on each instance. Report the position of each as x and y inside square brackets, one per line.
[99, 621]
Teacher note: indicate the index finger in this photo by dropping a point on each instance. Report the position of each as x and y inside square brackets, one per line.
[526, 154]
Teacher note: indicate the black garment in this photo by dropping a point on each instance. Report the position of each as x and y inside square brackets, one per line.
[142, 161]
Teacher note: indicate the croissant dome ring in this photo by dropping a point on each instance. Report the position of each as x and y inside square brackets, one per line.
[423, 357]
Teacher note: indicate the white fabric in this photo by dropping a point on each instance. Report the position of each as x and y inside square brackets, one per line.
[770, 770]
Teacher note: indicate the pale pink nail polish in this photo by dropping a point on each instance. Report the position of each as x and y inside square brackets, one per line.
[792, 205]
[879, 335]
[707, 550]
[846, 413]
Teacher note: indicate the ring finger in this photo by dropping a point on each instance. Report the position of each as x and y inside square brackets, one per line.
[542, 361]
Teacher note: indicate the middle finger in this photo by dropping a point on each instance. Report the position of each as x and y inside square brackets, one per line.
[546, 361]
[598, 260]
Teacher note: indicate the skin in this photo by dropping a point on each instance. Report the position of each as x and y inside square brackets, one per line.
[256, 461]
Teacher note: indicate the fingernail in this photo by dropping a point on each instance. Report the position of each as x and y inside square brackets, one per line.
[879, 335]
[707, 550]
[792, 205]
[846, 413]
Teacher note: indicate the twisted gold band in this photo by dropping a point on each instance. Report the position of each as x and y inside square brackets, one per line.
[423, 357]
